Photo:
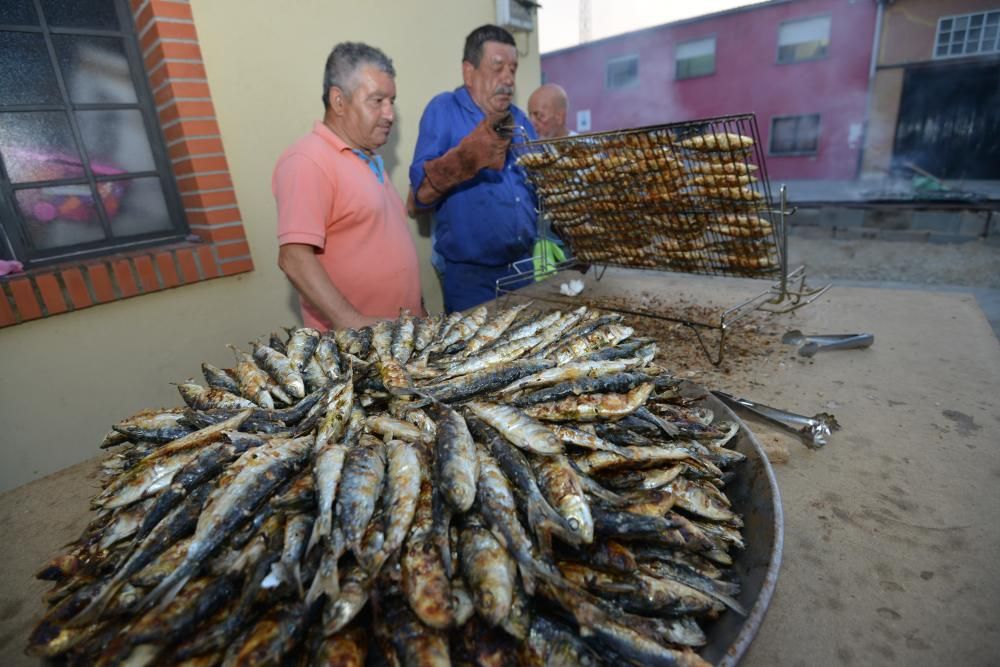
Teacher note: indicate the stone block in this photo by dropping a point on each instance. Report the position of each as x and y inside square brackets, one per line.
[811, 232]
[950, 238]
[842, 216]
[910, 235]
[937, 221]
[856, 234]
[805, 217]
[888, 219]
[975, 223]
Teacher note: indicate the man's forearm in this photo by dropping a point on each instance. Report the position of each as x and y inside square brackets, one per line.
[427, 195]
[299, 263]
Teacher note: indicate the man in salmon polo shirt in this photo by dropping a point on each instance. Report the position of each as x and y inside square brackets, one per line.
[344, 240]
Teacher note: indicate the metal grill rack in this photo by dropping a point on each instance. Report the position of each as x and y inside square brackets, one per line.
[689, 197]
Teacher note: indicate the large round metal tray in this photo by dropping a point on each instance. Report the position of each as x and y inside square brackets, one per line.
[754, 494]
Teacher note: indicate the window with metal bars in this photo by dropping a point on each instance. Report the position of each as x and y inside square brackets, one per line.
[83, 168]
[795, 135]
[968, 34]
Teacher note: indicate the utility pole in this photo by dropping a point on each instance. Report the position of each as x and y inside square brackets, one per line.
[585, 31]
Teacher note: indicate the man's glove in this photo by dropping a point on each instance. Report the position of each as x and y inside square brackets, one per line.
[483, 148]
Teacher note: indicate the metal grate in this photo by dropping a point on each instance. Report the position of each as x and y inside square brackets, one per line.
[690, 197]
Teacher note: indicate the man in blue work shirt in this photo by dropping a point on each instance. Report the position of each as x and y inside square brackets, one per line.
[484, 209]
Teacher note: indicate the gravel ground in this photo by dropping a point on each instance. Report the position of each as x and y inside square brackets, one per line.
[972, 267]
[972, 264]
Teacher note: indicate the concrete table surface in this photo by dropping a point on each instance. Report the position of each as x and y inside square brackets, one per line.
[891, 531]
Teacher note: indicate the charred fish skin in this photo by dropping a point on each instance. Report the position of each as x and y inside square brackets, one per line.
[280, 368]
[564, 490]
[158, 427]
[360, 486]
[300, 348]
[543, 519]
[200, 552]
[271, 639]
[518, 427]
[200, 398]
[623, 640]
[528, 329]
[252, 380]
[489, 571]
[552, 643]
[218, 378]
[227, 507]
[465, 328]
[288, 569]
[618, 383]
[408, 641]
[392, 428]
[347, 648]
[402, 338]
[339, 402]
[496, 502]
[405, 477]
[455, 457]
[393, 375]
[585, 343]
[424, 331]
[206, 465]
[592, 407]
[425, 582]
[327, 356]
[354, 592]
[354, 342]
[567, 372]
[484, 381]
[493, 329]
[177, 524]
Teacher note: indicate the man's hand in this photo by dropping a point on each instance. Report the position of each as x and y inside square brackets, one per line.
[300, 264]
[485, 147]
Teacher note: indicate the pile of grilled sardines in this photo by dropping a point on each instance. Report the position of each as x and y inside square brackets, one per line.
[525, 488]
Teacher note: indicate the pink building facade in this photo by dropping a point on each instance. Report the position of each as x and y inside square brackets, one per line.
[802, 66]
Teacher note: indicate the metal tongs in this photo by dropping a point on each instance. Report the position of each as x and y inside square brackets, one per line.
[814, 430]
[821, 343]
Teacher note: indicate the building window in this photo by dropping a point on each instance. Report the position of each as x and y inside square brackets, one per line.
[696, 58]
[622, 72]
[968, 34]
[795, 135]
[808, 39]
[83, 170]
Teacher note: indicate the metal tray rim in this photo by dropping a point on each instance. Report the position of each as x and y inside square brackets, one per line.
[755, 618]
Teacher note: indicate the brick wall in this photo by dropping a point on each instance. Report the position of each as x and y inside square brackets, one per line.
[168, 42]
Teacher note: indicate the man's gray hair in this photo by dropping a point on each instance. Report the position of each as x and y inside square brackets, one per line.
[344, 62]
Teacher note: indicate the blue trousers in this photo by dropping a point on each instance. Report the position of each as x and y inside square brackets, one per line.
[468, 285]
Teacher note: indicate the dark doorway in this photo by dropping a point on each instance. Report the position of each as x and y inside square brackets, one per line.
[949, 121]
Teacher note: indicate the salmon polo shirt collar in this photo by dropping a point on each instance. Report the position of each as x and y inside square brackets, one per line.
[373, 161]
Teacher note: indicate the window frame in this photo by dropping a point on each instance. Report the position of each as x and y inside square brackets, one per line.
[982, 28]
[771, 134]
[777, 55]
[15, 242]
[618, 60]
[677, 61]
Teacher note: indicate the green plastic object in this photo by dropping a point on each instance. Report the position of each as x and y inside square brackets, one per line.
[546, 255]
